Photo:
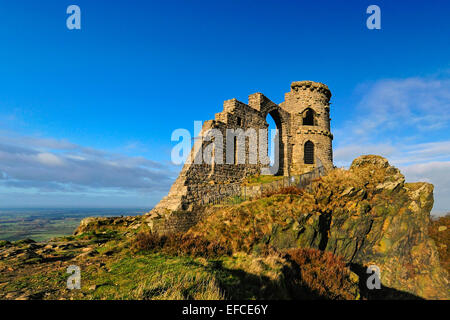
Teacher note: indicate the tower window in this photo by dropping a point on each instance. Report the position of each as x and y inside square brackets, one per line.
[309, 152]
[308, 120]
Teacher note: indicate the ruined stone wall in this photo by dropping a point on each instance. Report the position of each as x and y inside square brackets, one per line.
[199, 179]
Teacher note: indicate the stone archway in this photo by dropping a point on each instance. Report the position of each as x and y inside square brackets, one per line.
[278, 167]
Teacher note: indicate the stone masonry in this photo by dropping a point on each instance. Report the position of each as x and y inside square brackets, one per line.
[303, 123]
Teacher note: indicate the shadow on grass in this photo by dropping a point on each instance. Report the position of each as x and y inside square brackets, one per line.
[240, 285]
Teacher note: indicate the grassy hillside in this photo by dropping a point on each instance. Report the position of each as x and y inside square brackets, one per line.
[290, 244]
[117, 265]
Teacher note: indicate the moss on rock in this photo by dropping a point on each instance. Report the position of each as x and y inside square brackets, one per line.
[367, 215]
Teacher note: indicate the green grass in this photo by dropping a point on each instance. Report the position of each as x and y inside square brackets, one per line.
[140, 275]
[234, 200]
[151, 276]
[261, 179]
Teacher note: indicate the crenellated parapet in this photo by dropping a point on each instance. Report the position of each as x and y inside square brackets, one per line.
[311, 86]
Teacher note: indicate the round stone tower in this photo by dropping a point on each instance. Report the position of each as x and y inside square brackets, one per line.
[310, 139]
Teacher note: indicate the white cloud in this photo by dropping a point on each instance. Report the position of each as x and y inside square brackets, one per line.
[417, 101]
[343, 156]
[398, 154]
[400, 106]
[437, 173]
[49, 165]
[427, 162]
[402, 120]
[424, 152]
[49, 159]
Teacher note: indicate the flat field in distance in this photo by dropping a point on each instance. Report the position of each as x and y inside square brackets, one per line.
[43, 224]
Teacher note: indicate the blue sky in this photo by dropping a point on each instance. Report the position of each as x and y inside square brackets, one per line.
[86, 115]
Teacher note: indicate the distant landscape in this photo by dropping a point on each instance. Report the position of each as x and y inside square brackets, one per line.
[42, 224]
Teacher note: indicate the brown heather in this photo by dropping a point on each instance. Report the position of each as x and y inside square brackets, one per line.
[286, 190]
[178, 244]
[325, 274]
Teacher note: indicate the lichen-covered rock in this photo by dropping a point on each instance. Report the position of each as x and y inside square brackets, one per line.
[368, 215]
[101, 224]
[387, 227]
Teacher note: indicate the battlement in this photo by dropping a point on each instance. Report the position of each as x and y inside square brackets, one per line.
[312, 86]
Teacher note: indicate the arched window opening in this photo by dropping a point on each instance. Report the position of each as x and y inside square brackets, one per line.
[308, 120]
[309, 152]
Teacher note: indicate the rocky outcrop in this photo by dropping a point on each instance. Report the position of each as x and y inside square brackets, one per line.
[377, 218]
[368, 215]
[102, 224]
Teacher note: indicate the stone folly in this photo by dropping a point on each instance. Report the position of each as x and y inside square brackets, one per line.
[304, 143]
